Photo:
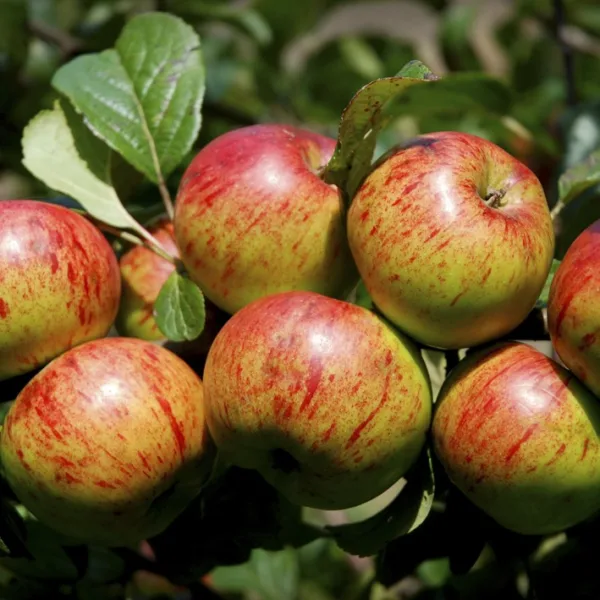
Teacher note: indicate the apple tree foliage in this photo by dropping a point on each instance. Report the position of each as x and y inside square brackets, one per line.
[103, 105]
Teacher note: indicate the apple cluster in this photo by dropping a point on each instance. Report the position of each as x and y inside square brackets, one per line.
[331, 402]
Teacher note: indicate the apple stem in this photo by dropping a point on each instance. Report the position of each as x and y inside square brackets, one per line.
[494, 198]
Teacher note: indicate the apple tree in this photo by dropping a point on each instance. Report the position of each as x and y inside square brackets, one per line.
[297, 300]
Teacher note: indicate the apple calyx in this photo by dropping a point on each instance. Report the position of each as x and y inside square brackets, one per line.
[283, 461]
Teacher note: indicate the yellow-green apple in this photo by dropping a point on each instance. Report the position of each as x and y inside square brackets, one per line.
[519, 435]
[453, 239]
[253, 217]
[59, 284]
[143, 273]
[325, 400]
[573, 315]
[108, 443]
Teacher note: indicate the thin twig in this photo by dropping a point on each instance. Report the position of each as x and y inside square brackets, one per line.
[66, 43]
[566, 50]
[558, 207]
[150, 241]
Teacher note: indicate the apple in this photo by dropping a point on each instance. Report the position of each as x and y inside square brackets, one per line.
[325, 400]
[453, 239]
[253, 217]
[108, 444]
[143, 273]
[518, 435]
[59, 284]
[573, 315]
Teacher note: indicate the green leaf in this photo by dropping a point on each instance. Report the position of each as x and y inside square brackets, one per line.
[417, 70]
[272, 575]
[12, 531]
[143, 97]
[362, 296]
[579, 178]
[542, 301]
[60, 151]
[360, 123]
[179, 309]
[48, 559]
[403, 515]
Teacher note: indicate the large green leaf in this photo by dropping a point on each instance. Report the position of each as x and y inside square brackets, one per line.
[403, 515]
[361, 121]
[144, 96]
[179, 309]
[60, 151]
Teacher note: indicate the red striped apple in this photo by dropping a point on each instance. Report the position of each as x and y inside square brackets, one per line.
[325, 400]
[453, 239]
[573, 315]
[108, 444]
[254, 218]
[59, 284]
[518, 435]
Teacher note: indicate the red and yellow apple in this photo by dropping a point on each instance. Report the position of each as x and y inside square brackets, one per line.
[59, 284]
[519, 435]
[453, 239]
[143, 273]
[253, 217]
[108, 444]
[574, 310]
[325, 400]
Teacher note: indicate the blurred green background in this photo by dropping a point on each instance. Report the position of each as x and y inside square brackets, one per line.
[301, 61]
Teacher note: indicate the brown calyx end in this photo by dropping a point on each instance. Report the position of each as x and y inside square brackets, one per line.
[283, 461]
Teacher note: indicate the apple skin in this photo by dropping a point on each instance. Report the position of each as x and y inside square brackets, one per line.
[253, 218]
[325, 400]
[143, 274]
[574, 308]
[518, 435]
[59, 284]
[108, 443]
[446, 268]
